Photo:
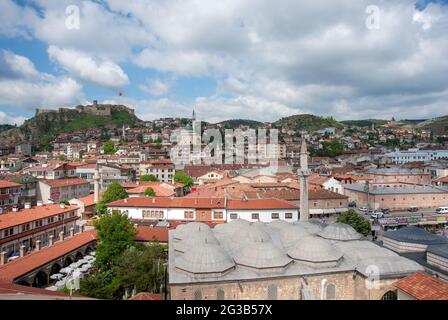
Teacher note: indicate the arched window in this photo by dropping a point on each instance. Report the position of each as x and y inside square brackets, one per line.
[220, 294]
[330, 292]
[390, 295]
[272, 292]
[197, 295]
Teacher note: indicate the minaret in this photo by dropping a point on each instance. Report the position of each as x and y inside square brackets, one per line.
[96, 185]
[124, 132]
[303, 174]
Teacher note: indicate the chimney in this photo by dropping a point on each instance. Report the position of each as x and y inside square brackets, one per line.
[22, 251]
[15, 209]
[82, 228]
[40, 203]
[61, 235]
[135, 225]
[125, 200]
[72, 232]
[27, 205]
[50, 201]
[37, 245]
[153, 200]
[2, 258]
[62, 205]
[51, 240]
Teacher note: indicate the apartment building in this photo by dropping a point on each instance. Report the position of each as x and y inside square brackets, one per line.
[10, 193]
[163, 170]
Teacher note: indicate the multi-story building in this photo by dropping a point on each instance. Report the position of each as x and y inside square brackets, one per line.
[42, 223]
[163, 170]
[57, 190]
[57, 171]
[10, 193]
[215, 210]
[416, 155]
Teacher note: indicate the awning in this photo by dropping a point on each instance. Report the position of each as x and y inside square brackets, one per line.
[329, 210]
[316, 211]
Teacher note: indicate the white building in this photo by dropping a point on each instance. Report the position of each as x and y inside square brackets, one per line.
[416, 155]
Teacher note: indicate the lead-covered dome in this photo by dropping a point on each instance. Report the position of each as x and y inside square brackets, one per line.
[232, 226]
[261, 255]
[251, 234]
[184, 230]
[195, 239]
[315, 250]
[279, 224]
[292, 234]
[312, 226]
[205, 258]
[339, 231]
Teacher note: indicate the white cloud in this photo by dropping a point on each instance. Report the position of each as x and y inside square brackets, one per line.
[21, 85]
[156, 87]
[9, 119]
[78, 64]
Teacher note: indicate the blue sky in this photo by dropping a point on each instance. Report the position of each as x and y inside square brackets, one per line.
[227, 59]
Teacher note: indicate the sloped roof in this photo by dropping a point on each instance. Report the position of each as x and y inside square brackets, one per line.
[414, 234]
[422, 286]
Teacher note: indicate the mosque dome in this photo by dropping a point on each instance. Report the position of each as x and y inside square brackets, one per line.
[315, 250]
[251, 234]
[195, 239]
[184, 230]
[261, 255]
[292, 234]
[312, 226]
[205, 258]
[339, 231]
[279, 224]
[232, 226]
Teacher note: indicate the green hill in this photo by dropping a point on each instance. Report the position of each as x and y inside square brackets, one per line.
[45, 127]
[235, 123]
[364, 123]
[436, 125]
[307, 122]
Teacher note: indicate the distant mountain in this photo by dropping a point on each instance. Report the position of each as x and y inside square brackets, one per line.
[233, 124]
[307, 122]
[46, 125]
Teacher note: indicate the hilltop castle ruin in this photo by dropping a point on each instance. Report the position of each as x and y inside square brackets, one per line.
[93, 109]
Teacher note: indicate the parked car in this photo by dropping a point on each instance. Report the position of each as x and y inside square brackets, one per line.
[385, 210]
[442, 210]
[413, 209]
[363, 209]
[352, 204]
[377, 214]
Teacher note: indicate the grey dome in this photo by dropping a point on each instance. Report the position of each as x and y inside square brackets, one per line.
[196, 238]
[311, 226]
[205, 258]
[189, 228]
[279, 224]
[232, 226]
[261, 255]
[251, 234]
[292, 234]
[339, 231]
[315, 249]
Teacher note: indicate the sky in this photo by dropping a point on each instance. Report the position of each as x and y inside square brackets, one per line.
[250, 59]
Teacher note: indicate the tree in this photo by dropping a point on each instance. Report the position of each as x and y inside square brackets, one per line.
[183, 178]
[115, 234]
[149, 177]
[61, 158]
[114, 192]
[109, 147]
[140, 138]
[356, 220]
[149, 192]
[142, 268]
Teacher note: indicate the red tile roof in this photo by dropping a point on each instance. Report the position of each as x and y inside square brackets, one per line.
[36, 259]
[57, 183]
[422, 286]
[11, 219]
[7, 184]
[146, 233]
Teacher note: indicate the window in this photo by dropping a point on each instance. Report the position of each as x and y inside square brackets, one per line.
[220, 294]
[274, 215]
[390, 295]
[233, 216]
[288, 215]
[255, 216]
[330, 292]
[197, 295]
[218, 215]
[272, 292]
[152, 214]
[188, 214]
